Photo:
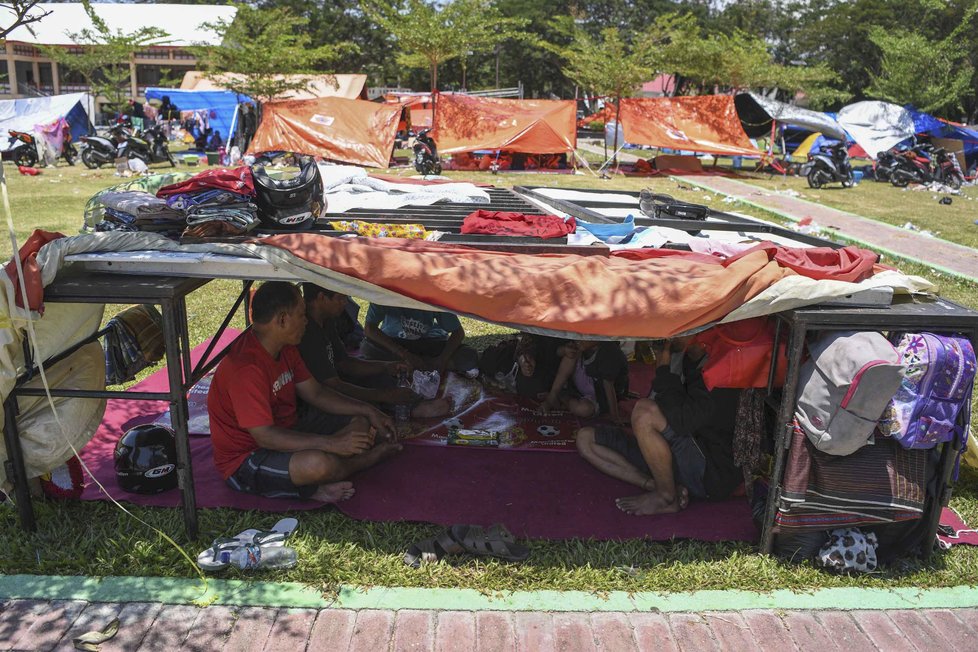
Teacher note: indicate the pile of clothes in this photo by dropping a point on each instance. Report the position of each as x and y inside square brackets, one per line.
[138, 210]
[216, 202]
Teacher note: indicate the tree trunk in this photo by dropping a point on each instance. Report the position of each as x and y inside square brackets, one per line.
[434, 92]
[617, 123]
[497, 65]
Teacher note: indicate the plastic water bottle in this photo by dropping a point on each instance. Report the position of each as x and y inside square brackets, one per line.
[402, 411]
[251, 557]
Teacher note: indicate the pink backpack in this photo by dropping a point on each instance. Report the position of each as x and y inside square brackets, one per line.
[938, 379]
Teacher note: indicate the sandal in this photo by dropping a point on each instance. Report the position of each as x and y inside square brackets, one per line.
[497, 541]
[432, 550]
[218, 556]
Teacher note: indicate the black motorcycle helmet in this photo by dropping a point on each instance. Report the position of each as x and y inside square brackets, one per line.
[146, 458]
[290, 203]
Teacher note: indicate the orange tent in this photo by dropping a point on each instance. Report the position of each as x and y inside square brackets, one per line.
[351, 131]
[704, 123]
[464, 123]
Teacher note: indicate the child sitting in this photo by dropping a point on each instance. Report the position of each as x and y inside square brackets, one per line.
[599, 371]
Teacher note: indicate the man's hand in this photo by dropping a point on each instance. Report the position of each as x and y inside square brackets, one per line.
[352, 443]
[403, 395]
[396, 367]
[547, 406]
[382, 422]
[663, 354]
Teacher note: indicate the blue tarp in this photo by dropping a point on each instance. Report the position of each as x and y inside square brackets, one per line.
[25, 113]
[925, 123]
[221, 105]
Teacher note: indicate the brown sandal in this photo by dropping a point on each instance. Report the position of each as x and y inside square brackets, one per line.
[497, 541]
[432, 550]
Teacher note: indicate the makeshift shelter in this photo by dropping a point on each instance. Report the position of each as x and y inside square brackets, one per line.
[220, 105]
[464, 123]
[24, 114]
[338, 85]
[960, 140]
[705, 123]
[877, 126]
[758, 114]
[351, 131]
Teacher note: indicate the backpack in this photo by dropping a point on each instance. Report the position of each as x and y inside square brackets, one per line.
[938, 379]
[844, 388]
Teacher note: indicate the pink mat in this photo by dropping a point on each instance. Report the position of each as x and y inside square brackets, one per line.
[536, 494]
[964, 533]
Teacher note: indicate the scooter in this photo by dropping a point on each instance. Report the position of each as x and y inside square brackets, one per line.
[925, 164]
[99, 150]
[426, 154]
[22, 148]
[831, 167]
[886, 162]
[151, 148]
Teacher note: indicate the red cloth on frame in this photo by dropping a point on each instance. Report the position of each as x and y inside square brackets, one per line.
[237, 180]
[505, 223]
[32, 273]
[851, 263]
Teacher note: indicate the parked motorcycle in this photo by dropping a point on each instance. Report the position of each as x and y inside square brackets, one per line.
[426, 154]
[22, 148]
[925, 164]
[831, 166]
[99, 150]
[885, 163]
[151, 147]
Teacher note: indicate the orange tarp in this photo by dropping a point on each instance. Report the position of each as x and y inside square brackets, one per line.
[464, 124]
[592, 295]
[351, 131]
[705, 123]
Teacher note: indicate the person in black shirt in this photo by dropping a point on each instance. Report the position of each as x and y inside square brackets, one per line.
[372, 381]
[598, 375]
[682, 444]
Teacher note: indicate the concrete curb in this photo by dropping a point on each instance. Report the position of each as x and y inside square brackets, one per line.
[294, 595]
[839, 233]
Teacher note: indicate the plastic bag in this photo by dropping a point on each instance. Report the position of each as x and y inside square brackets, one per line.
[425, 383]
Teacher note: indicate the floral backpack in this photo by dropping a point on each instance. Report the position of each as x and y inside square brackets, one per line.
[938, 379]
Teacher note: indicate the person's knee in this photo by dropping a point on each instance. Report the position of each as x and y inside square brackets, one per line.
[580, 407]
[585, 441]
[313, 467]
[646, 415]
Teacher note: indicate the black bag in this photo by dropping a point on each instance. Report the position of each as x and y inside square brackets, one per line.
[659, 206]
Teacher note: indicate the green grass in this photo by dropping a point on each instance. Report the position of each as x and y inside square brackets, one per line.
[99, 540]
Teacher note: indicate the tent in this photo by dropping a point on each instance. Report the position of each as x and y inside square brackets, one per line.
[25, 113]
[758, 112]
[221, 105]
[705, 123]
[941, 132]
[464, 123]
[348, 86]
[877, 126]
[351, 131]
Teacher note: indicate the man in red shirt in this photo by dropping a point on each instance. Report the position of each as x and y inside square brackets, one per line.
[263, 443]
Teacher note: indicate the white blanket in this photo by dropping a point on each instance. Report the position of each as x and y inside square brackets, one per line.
[347, 187]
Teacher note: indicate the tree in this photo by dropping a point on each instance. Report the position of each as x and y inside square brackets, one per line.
[262, 51]
[22, 14]
[105, 57]
[933, 76]
[609, 66]
[428, 35]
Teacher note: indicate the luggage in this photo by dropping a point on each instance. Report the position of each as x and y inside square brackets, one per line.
[844, 388]
[659, 206]
[939, 374]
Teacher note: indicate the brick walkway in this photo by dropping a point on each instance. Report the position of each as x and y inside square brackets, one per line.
[952, 257]
[41, 625]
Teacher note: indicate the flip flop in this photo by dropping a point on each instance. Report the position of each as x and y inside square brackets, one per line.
[497, 542]
[218, 556]
[432, 550]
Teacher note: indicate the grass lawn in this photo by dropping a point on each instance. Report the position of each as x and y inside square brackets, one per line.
[98, 539]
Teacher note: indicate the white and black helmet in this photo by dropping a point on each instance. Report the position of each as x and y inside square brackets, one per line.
[292, 203]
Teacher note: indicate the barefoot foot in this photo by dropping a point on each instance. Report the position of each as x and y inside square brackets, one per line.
[333, 492]
[436, 407]
[381, 452]
[654, 503]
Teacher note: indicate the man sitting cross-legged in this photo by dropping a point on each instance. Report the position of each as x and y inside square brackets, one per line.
[683, 439]
[262, 443]
[371, 381]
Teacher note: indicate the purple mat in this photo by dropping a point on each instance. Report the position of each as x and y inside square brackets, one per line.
[537, 494]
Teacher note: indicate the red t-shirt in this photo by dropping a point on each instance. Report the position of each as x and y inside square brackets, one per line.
[251, 389]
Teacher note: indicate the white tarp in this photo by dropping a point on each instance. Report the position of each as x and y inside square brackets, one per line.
[756, 112]
[876, 126]
[25, 113]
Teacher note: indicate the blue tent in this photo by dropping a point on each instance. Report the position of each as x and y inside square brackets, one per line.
[925, 123]
[25, 113]
[221, 105]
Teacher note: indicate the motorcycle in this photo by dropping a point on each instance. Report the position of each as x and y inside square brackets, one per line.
[926, 164]
[886, 162]
[22, 148]
[830, 167]
[426, 154]
[151, 147]
[99, 150]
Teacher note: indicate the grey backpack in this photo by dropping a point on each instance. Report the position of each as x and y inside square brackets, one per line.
[844, 388]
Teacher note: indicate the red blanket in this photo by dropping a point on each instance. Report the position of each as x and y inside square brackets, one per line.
[503, 223]
[237, 180]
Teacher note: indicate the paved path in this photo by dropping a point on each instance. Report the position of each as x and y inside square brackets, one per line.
[43, 625]
[940, 254]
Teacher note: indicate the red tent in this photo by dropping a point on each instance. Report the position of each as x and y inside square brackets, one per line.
[704, 123]
[464, 123]
[351, 131]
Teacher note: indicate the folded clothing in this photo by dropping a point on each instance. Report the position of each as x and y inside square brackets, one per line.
[237, 180]
[517, 224]
[138, 203]
[242, 214]
[213, 197]
[374, 230]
